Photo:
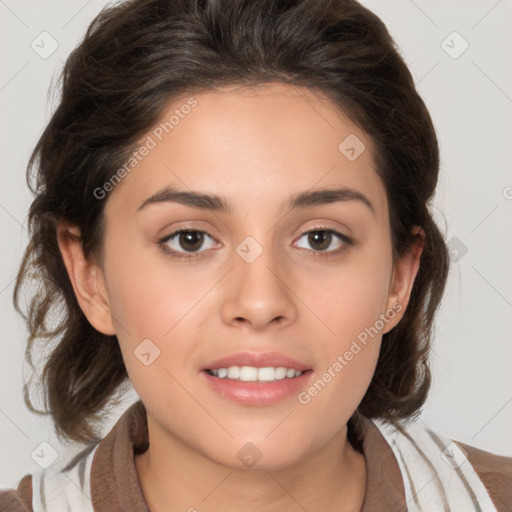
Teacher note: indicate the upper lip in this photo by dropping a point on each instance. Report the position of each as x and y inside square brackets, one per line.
[257, 360]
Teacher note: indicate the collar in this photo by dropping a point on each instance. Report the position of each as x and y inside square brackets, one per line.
[116, 487]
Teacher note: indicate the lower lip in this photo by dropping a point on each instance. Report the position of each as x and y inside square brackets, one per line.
[256, 393]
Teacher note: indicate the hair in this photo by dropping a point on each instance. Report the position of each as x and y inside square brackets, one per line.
[134, 59]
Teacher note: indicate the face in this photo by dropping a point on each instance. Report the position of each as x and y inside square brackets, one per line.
[251, 233]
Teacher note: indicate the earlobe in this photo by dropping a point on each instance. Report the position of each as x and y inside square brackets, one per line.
[403, 276]
[86, 278]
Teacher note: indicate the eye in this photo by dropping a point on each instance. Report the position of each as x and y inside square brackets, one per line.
[322, 239]
[186, 242]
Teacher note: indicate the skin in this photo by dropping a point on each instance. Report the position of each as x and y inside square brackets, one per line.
[255, 147]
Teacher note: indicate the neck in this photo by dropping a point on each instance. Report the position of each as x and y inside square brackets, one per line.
[175, 477]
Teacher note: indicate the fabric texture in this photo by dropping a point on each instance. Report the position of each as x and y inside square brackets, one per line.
[409, 468]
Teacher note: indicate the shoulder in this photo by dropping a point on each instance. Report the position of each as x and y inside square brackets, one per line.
[447, 470]
[19, 499]
[495, 471]
[62, 486]
[102, 465]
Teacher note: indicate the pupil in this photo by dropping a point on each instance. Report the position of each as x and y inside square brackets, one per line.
[193, 238]
[322, 238]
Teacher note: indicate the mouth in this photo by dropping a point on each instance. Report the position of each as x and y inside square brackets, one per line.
[256, 378]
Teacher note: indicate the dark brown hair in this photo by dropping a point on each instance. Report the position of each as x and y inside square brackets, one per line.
[138, 56]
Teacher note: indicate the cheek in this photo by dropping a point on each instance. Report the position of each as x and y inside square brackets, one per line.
[350, 301]
[150, 297]
[155, 305]
[350, 296]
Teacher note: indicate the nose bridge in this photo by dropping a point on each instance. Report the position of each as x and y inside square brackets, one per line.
[257, 292]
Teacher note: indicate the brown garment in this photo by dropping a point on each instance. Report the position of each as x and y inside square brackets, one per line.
[116, 488]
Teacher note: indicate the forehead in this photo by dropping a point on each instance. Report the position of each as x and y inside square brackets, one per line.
[250, 145]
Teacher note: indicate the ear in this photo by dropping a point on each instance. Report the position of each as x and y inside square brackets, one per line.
[402, 279]
[86, 278]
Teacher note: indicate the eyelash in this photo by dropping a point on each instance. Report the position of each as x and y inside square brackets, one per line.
[347, 242]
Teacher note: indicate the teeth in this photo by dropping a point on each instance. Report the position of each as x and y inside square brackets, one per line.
[253, 374]
[234, 372]
[267, 374]
[248, 374]
[280, 372]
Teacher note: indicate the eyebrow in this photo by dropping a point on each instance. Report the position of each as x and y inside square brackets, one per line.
[220, 204]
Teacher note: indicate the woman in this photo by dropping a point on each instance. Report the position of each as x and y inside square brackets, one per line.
[232, 207]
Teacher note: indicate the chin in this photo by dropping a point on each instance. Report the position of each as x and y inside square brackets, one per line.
[258, 455]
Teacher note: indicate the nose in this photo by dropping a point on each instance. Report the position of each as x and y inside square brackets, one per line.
[258, 294]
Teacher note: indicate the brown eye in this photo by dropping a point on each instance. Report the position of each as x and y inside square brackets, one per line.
[319, 240]
[186, 241]
[323, 240]
[191, 240]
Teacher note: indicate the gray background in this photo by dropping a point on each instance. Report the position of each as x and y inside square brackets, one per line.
[469, 95]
